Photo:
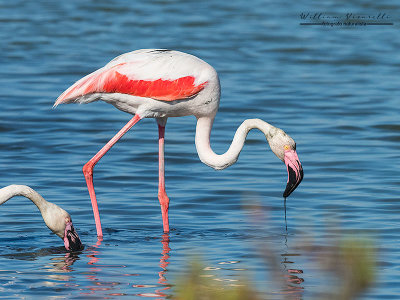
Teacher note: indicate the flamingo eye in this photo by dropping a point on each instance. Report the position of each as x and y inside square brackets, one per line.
[286, 147]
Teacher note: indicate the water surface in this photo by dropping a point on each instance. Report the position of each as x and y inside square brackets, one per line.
[333, 89]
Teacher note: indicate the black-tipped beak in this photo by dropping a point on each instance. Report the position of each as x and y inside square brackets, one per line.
[295, 172]
[72, 241]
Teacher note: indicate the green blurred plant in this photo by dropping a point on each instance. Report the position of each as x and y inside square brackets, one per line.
[196, 285]
[351, 262]
[348, 265]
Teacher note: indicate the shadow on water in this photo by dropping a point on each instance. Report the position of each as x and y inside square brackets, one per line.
[34, 255]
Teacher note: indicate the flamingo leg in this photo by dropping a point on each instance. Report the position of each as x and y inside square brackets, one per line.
[162, 195]
[88, 169]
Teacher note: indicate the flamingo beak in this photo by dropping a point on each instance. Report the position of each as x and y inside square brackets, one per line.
[295, 171]
[72, 241]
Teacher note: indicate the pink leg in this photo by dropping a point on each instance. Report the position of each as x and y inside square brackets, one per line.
[88, 170]
[162, 195]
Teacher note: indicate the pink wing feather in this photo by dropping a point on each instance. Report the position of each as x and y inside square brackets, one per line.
[124, 78]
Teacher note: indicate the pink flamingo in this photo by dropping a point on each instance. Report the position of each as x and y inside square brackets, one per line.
[56, 218]
[159, 83]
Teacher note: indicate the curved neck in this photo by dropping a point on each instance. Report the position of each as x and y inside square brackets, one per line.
[222, 161]
[13, 190]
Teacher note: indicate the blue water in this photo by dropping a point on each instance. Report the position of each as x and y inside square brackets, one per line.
[335, 90]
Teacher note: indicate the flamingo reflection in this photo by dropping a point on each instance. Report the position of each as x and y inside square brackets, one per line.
[164, 264]
[289, 277]
[97, 267]
[162, 280]
[292, 277]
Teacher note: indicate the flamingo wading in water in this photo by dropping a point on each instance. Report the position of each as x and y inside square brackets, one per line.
[56, 218]
[160, 83]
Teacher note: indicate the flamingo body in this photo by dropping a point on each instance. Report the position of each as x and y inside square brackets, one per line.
[146, 82]
[159, 83]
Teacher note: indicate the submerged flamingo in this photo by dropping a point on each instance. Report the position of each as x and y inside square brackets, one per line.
[56, 218]
[159, 83]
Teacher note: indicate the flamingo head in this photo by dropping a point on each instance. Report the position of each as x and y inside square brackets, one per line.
[284, 148]
[72, 242]
[60, 222]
